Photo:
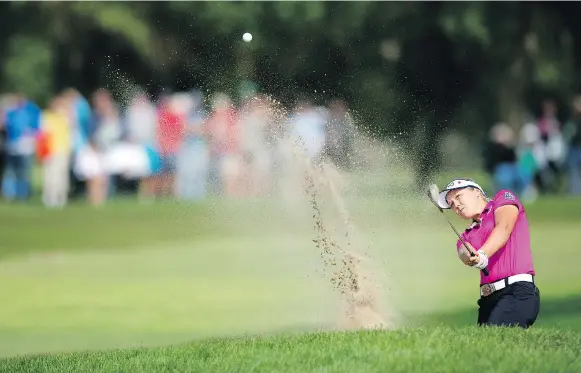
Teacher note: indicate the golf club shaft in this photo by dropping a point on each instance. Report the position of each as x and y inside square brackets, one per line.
[472, 253]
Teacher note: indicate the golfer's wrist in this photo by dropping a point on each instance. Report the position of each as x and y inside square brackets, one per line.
[485, 250]
[483, 260]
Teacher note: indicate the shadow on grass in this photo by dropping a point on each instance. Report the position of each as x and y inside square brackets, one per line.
[562, 313]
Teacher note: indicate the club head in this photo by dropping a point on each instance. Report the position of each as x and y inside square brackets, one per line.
[433, 192]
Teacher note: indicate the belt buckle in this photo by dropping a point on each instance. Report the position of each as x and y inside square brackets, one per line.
[488, 289]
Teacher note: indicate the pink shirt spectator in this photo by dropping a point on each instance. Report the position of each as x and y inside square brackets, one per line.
[547, 125]
[170, 131]
[515, 257]
[222, 127]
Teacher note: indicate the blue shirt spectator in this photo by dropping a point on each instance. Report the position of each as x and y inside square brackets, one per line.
[22, 123]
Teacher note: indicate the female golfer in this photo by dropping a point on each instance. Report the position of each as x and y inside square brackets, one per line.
[499, 234]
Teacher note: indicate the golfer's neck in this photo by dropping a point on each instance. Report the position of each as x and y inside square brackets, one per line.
[478, 217]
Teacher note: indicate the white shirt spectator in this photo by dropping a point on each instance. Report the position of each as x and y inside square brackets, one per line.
[308, 127]
[142, 123]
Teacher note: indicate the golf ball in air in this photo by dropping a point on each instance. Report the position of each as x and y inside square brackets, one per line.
[247, 37]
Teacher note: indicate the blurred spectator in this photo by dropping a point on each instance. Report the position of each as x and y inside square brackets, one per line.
[80, 112]
[501, 159]
[548, 122]
[106, 121]
[141, 120]
[194, 158]
[56, 126]
[131, 161]
[81, 129]
[107, 127]
[339, 133]
[550, 131]
[572, 134]
[222, 134]
[255, 123]
[307, 126]
[21, 122]
[4, 104]
[532, 158]
[89, 166]
[141, 123]
[170, 130]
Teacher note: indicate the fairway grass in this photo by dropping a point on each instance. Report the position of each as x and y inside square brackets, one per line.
[440, 349]
[132, 276]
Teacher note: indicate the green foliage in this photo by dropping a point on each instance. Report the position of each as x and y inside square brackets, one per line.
[466, 22]
[28, 67]
[121, 20]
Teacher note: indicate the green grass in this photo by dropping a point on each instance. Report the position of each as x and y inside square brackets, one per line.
[130, 275]
[441, 349]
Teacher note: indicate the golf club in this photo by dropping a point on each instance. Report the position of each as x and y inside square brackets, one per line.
[433, 192]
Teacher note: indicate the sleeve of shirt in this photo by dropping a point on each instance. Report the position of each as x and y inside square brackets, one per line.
[506, 197]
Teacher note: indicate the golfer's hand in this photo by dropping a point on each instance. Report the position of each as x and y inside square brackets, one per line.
[474, 260]
[465, 255]
[480, 261]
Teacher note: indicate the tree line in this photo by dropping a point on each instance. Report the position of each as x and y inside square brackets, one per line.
[413, 69]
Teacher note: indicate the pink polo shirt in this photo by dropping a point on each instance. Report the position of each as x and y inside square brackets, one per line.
[515, 256]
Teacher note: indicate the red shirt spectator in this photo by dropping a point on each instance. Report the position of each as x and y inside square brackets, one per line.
[170, 131]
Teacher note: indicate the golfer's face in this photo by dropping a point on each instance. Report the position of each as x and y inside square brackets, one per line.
[463, 202]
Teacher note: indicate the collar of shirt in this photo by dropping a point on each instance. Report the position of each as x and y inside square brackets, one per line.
[475, 224]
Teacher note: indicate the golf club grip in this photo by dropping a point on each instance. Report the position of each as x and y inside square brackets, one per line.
[485, 270]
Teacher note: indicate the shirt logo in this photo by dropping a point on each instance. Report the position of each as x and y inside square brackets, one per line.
[509, 196]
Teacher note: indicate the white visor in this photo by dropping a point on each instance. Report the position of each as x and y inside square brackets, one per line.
[456, 184]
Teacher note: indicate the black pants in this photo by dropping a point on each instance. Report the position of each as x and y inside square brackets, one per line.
[517, 304]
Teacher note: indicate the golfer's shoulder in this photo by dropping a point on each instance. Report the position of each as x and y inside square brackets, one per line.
[505, 197]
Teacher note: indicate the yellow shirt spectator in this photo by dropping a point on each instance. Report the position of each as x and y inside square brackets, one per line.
[57, 128]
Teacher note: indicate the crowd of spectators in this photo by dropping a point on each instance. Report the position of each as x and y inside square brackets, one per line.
[543, 157]
[180, 145]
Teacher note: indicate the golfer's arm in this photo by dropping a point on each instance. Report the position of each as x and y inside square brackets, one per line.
[505, 218]
[464, 255]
